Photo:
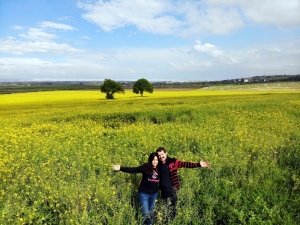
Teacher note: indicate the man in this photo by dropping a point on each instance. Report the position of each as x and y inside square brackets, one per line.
[169, 183]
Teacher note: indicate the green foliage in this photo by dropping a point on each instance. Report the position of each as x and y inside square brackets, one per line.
[110, 87]
[141, 86]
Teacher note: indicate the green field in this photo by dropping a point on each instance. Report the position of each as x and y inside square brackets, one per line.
[57, 148]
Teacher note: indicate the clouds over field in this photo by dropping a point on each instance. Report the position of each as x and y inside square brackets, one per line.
[159, 40]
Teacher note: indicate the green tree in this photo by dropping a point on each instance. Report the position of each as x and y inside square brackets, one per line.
[110, 87]
[142, 85]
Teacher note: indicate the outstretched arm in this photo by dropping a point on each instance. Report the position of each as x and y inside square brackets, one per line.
[139, 169]
[181, 164]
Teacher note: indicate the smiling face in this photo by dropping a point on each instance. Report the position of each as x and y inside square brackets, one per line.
[154, 161]
[162, 156]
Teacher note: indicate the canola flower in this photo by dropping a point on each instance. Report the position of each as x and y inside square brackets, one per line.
[57, 148]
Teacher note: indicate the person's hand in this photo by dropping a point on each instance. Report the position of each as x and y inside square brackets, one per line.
[116, 167]
[204, 164]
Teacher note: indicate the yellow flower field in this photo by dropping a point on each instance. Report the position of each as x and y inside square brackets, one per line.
[57, 148]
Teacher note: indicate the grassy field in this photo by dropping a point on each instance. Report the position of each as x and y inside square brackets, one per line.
[57, 148]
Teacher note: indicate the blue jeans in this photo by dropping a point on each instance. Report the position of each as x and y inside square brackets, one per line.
[147, 202]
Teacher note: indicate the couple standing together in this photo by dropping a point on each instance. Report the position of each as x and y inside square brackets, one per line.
[160, 172]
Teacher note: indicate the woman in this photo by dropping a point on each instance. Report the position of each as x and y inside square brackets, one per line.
[148, 188]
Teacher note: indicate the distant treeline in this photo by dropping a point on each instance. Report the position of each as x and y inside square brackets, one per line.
[16, 87]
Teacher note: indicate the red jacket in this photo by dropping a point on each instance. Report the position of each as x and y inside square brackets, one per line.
[174, 165]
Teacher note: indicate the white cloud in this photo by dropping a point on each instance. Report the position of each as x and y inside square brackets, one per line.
[37, 34]
[25, 62]
[208, 49]
[191, 65]
[151, 16]
[17, 27]
[52, 69]
[190, 17]
[42, 32]
[14, 46]
[276, 58]
[215, 52]
[276, 12]
[32, 69]
[162, 17]
[60, 26]
[207, 62]
[65, 18]
[86, 37]
[210, 20]
[274, 49]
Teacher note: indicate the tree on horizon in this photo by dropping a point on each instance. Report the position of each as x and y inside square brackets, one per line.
[142, 85]
[110, 87]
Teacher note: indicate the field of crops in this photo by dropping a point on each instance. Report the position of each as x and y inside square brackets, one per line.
[57, 148]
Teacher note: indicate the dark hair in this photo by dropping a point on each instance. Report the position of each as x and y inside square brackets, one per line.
[148, 165]
[161, 149]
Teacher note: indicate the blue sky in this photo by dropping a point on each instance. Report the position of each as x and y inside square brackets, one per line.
[154, 39]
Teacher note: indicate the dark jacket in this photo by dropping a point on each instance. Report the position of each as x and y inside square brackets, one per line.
[149, 183]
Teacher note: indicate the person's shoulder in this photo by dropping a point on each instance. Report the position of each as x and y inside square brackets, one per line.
[143, 166]
[170, 160]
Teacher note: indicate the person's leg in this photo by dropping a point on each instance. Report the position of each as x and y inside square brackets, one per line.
[152, 199]
[144, 202]
[173, 205]
[166, 200]
[170, 201]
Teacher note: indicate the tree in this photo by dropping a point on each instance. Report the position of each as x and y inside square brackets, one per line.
[142, 85]
[110, 87]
